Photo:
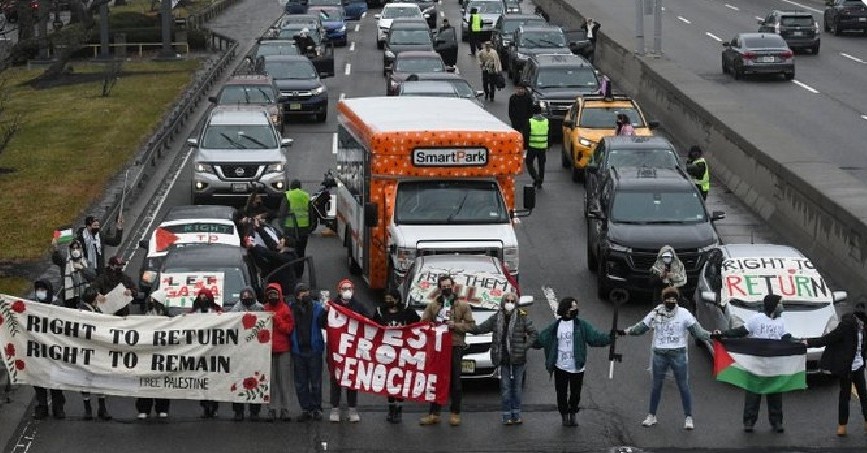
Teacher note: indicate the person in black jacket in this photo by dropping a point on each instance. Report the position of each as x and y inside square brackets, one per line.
[520, 111]
[94, 241]
[395, 313]
[45, 294]
[591, 27]
[845, 355]
[113, 276]
[75, 273]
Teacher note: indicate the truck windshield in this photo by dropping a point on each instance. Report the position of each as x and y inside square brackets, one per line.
[449, 202]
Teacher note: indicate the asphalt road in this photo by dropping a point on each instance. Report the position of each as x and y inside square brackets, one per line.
[552, 241]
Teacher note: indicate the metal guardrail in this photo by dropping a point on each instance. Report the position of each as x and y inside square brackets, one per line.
[197, 19]
[141, 45]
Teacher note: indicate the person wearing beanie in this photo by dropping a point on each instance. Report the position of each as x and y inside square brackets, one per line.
[565, 344]
[90, 302]
[345, 297]
[280, 346]
[395, 313]
[204, 303]
[155, 306]
[247, 303]
[308, 346]
[671, 324]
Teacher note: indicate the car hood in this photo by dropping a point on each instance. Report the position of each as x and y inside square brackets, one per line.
[333, 25]
[689, 236]
[297, 84]
[255, 156]
[563, 93]
[800, 322]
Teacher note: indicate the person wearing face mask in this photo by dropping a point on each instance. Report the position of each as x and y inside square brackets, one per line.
[512, 334]
[204, 303]
[90, 302]
[113, 276]
[766, 324]
[565, 343]
[75, 273]
[44, 293]
[667, 271]
[394, 313]
[346, 298]
[247, 303]
[671, 324]
[154, 306]
[280, 346]
[449, 309]
[94, 241]
[308, 345]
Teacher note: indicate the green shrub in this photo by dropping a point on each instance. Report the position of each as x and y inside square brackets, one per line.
[130, 19]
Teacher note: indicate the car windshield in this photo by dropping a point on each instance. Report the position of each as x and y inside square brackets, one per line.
[444, 202]
[606, 117]
[300, 69]
[405, 37]
[238, 137]
[511, 25]
[642, 157]
[311, 3]
[647, 207]
[800, 21]
[394, 12]
[419, 65]
[853, 3]
[542, 39]
[289, 33]
[559, 77]
[765, 42]
[486, 7]
[332, 15]
[233, 280]
[247, 94]
[285, 48]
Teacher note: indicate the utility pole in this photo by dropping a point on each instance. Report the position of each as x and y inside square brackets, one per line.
[639, 27]
[104, 52]
[166, 20]
[657, 27]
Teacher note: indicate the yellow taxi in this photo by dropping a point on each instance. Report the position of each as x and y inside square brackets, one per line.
[592, 117]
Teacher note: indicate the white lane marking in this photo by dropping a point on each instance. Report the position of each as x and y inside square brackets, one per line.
[864, 117]
[855, 59]
[799, 5]
[805, 86]
[760, 18]
[348, 68]
[356, 27]
[713, 36]
[551, 298]
[663, 8]
[334, 144]
[352, 46]
[364, 14]
[683, 19]
[342, 96]
[733, 8]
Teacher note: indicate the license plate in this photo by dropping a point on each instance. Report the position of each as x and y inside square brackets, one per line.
[239, 187]
[862, 19]
[468, 366]
[798, 33]
[766, 59]
[294, 106]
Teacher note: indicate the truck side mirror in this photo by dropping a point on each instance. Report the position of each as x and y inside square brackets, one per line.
[371, 215]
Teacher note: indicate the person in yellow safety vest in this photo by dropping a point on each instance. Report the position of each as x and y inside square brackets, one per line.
[697, 168]
[295, 212]
[537, 145]
[475, 29]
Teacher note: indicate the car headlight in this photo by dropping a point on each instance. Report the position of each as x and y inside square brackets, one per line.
[389, 54]
[831, 324]
[615, 247]
[274, 168]
[584, 142]
[404, 258]
[510, 258]
[543, 105]
[318, 90]
[204, 168]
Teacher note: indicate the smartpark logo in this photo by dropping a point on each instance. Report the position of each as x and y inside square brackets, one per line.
[450, 157]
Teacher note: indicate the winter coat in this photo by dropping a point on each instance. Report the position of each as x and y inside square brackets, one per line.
[840, 346]
[677, 273]
[73, 281]
[283, 323]
[109, 279]
[213, 308]
[403, 317]
[353, 305]
[155, 308]
[520, 111]
[49, 289]
[521, 335]
[318, 320]
[461, 316]
[583, 334]
[94, 246]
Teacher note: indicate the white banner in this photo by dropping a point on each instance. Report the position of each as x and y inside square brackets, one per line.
[480, 290]
[221, 357]
[181, 288]
[750, 279]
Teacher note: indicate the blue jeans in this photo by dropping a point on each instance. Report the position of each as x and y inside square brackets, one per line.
[511, 389]
[308, 380]
[676, 360]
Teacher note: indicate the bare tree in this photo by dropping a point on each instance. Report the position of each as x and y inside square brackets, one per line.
[71, 39]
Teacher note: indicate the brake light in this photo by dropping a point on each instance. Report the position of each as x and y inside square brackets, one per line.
[749, 55]
[787, 54]
[816, 27]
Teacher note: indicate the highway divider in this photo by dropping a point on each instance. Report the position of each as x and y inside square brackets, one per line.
[811, 203]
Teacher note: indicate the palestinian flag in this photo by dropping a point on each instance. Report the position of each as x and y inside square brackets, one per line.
[63, 235]
[760, 365]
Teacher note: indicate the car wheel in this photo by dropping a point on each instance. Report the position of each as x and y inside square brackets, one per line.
[321, 117]
[577, 174]
[837, 29]
[380, 45]
[790, 75]
[815, 49]
[564, 158]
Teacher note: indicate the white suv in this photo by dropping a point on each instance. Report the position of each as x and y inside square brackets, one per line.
[390, 12]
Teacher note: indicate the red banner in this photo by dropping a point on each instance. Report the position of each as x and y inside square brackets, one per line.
[411, 362]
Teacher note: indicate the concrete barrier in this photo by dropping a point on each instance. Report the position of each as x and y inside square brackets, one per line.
[813, 204]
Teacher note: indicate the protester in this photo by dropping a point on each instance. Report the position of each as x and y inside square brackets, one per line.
[204, 303]
[305, 44]
[395, 313]
[89, 302]
[666, 271]
[308, 345]
[247, 303]
[537, 145]
[445, 25]
[697, 168]
[112, 276]
[845, 355]
[44, 293]
[263, 242]
[670, 324]
[591, 27]
[565, 343]
[296, 211]
[624, 125]
[155, 306]
[512, 334]
[520, 111]
[489, 62]
[94, 242]
[346, 299]
[283, 325]
[458, 315]
[475, 29]
[75, 273]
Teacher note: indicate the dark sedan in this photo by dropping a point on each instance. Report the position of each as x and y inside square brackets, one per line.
[842, 15]
[757, 53]
[412, 62]
[501, 35]
[403, 38]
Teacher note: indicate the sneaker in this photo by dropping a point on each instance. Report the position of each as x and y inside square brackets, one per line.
[508, 422]
[334, 416]
[163, 415]
[142, 416]
[353, 415]
[688, 424]
[455, 419]
[841, 431]
[649, 421]
[430, 419]
[748, 428]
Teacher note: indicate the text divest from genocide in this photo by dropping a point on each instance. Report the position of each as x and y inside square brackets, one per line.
[410, 362]
[221, 357]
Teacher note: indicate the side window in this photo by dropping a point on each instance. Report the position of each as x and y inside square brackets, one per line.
[350, 159]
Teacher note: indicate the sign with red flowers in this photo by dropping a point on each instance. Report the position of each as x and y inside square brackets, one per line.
[213, 356]
[410, 362]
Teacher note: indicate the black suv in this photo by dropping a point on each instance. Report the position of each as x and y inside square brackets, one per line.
[640, 210]
[798, 29]
[301, 89]
[555, 80]
[532, 39]
[504, 30]
[842, 15]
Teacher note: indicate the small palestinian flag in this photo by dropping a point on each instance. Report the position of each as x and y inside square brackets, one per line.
[63, 236]
[760, 365]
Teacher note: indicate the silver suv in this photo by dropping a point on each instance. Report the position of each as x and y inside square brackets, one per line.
[239, 151]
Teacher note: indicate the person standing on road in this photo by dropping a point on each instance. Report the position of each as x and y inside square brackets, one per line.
[94, 242]
[75, 273]
[475, 29]
[155, 306]
[44, 293]
[346, 299]
[845, 355]
[280, 346]
[539, 135]
[247, 303]
[697, 168]
[458, 315]
[308, 345]
[512, 334]
[295, 210]
[204, 303]
[90, 302]
[591, 27]
[395, 313]
[305, 44]
[489, 61]
[565, 343]
[520, 111]
[666, 271]
[445, 25]
[670, 324]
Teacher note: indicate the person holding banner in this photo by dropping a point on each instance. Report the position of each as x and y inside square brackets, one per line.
[513, 333]
[283, 324]
[112, 277]
[45, 294]
[308, 344]
[345, 298]
[75, 273]
[458, 315]
[247, 303]
[395, 313]
[94, 242]
[204, 303]
[90, 303]
[155, 306]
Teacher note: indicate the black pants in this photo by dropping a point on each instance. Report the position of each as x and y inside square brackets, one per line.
[573, 382]
[238, 408]
[753, 402]
[336, 390]
[702, 192]
[145, 404]
[489, 83]
[301, 251]
[522, 125]
[854, 378]
[57, 398]
[538, 155]
[455, 390]
[474, 42]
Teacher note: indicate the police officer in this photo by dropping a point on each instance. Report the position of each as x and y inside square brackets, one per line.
[537, 146]
[295, 212]
[475, 30]
[697, 168]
